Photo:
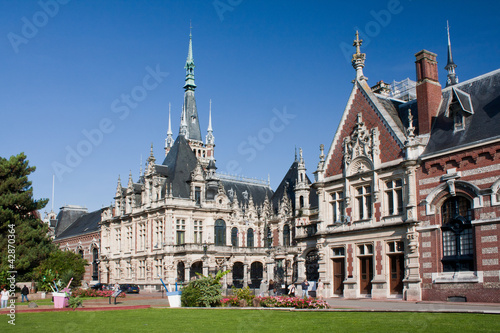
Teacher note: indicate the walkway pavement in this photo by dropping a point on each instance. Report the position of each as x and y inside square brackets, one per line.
[144, 300]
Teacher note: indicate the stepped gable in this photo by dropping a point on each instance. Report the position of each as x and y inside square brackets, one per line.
[180, 162]
[382, 115]
[481, 114]
[85, 224]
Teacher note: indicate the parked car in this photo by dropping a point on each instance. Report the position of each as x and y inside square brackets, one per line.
[130, 288]
[100, 286]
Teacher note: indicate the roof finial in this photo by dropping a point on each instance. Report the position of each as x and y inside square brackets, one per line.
[169, 141]
[358, 58]
[210, 139]
[190, 85]
[450, 65]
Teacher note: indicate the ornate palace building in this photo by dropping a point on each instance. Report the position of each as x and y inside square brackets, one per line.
[409, 191]
[181, 217]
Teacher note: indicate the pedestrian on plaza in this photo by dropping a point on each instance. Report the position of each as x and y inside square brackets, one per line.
[305, 286]
[24, 294]
[319, 290]
[271, 288]
[291, 290]
[4, 298]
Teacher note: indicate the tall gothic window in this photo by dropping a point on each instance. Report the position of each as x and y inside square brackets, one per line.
[234, 237]
[458, 239]
[394, 196]
[364, 202]
[338, 206]
[286, 235]
[95, 264]
[250, 238]
[220, 233]
[180, 226]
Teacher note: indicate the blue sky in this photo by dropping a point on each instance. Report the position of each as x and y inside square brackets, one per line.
[278, 74]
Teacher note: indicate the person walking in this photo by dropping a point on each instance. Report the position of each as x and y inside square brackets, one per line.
[305, 286]
[4, 298]
[319, 290]
[271, 288]
[24, 294]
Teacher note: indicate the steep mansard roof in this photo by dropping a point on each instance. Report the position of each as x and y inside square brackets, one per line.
[66, 216]
[288, 185]
[83, 225]
[179, 162]
[482, 123]
[244, 190]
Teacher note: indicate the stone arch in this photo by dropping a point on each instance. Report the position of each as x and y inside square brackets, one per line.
[452, 188]
[196, 267]
[495, 193]
[238, 274]
[256, 274]
[359, 165]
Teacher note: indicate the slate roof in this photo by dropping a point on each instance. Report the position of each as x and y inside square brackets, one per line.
[288, 184]
[192, 120]
[179, 162]
[239, 188]
[398, 110]
[85, 224]
[483, 124]
[66, 216]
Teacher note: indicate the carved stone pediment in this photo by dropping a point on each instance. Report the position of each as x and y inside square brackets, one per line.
[362, 142]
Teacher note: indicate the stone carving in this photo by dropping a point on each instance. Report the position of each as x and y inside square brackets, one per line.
[361, 143]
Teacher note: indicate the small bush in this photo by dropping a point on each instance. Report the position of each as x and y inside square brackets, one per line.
[204, 291]
[75, 302]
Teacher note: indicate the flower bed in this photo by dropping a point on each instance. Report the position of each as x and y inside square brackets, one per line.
[230, 301]
[291, 302]
[94, 293]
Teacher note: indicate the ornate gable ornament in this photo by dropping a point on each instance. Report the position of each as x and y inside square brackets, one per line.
[198, 173]
[362, 143]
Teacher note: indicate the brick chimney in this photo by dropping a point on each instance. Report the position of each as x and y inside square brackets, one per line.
[428, 89]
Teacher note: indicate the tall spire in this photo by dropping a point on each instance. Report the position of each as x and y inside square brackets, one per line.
[190, 115]
[210, 139]
[183, 129]
[358, 58]
[190, 85]
[169, 141]
[450, 65]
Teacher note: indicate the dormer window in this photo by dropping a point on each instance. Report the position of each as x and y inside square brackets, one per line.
[458, 120]
[460, 106]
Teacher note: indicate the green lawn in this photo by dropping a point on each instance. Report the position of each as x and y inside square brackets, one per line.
[225, 320]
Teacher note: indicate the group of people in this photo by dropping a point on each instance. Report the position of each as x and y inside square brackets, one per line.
[305, 289]
[5, 296]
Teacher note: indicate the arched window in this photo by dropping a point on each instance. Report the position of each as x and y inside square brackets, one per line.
[256, 270]
[80, 252]
[250, 242]
[220, 233]
[196, 267]
[458, 240]
[234, 237]
[301, 202]
[286, 235]
[95, 264]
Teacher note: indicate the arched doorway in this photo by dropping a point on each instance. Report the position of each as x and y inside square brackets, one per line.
[312, 265]
[196, 267]
[238, 274]
[256, 270]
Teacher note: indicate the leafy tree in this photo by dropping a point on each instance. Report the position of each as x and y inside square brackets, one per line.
[19, 209]
[204, 291]
[66, 264]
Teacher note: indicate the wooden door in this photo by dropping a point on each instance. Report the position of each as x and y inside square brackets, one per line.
[338, 275]
[366, 275]
[397, 273]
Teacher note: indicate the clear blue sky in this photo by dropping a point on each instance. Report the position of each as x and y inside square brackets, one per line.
[64, 69]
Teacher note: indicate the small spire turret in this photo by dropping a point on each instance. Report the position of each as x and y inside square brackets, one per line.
[450, 65]
[210, 139]
[169, 141]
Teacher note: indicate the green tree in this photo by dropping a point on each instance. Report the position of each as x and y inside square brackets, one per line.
[19, 217]
[66, 264]
[203, 292]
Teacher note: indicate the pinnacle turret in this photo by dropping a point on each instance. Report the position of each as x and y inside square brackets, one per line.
[210, 139]
[450, 65]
